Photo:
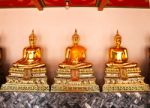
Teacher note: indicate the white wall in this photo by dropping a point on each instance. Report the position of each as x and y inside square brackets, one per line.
[55, 26]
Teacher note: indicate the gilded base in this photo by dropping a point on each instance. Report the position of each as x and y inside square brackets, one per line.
[85, 83]
[26, 80]
[125, 87]
[127, 80]
[75, 86]
[25, 87]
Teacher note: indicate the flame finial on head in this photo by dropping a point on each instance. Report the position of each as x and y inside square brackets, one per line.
[32, 38]
[75, 37]
[32, 35]
[117, 34]
[32, 31]
[117, 39]
[117, 31]
[75, 31]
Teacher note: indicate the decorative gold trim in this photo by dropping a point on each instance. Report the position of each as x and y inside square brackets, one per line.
[73, 88]
[25, 87]
[125, 87]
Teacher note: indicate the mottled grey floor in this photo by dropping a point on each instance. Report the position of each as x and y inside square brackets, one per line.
[74, 100]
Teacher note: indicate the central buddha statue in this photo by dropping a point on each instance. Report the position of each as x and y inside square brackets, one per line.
[121, 75]
[28, 73]
[75, 55]
[75, 74]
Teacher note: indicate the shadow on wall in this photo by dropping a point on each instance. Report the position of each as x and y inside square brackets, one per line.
[51, 70]
[50, 80]
[3, 66]
[99, 69]
[146, 66]
[146, 62]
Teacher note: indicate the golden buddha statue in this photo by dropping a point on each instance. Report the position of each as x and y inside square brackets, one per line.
[74, 74]
[75, 55]
[120, 75]
[28, 73]
[31, 55]
[118, 56]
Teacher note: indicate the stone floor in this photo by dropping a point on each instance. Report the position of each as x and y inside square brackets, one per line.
[74, 100]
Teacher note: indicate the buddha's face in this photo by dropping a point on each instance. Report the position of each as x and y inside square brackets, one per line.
[75, 39]
[118, 41]
[32, 41]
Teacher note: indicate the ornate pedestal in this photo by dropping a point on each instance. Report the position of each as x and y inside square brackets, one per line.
[75, 80]
[21, 79]
[127, 79]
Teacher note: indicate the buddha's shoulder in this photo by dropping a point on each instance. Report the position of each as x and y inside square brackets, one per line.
[37, 47]
[79, 47]
[69, 47]
[82, 47]
[34, 48]
[121, 48]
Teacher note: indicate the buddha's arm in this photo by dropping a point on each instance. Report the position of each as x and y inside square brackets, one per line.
[83, 54]
[125, 54]
[38, 53]
[67, 54]
[21, 60]
[24, 53]
[110, 55]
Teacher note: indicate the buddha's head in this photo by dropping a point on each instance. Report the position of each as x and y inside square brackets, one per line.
[32, 39]
[75, 38]
[117, 39]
